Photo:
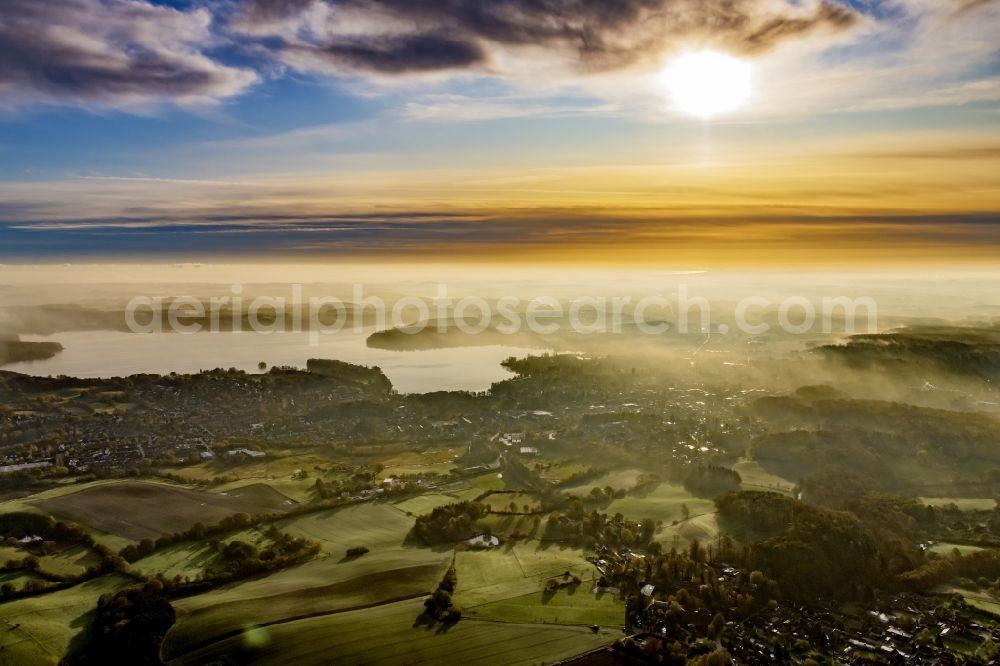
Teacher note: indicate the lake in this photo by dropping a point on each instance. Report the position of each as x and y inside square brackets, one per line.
[115, 354]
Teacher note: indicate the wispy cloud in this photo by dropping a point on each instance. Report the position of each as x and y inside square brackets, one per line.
[452, 107]
[498, 233]
[554, 57]
[110, 53]
[156, 179]
[395, 37]
[919, 54]
[811, 57]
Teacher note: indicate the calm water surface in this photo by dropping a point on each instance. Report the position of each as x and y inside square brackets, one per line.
[108, 354]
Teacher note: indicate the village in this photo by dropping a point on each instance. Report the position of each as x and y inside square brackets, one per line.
[112, 426]
[896, 628]
[619, 465]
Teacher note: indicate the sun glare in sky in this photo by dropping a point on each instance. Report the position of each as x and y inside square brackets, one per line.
[707, 83]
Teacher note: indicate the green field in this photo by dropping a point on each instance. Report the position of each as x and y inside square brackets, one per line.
[279, 471]
[501, 502]
[978, 599]
[464, 491]
[139, 509]
[299, 490]
[274, 466]
[563, 470]
[330, 582]
[190, 559]
[501, 592]
[387, 635]
[566, 606]
[482, 573]
[423, 504]
[508, 585]
[982, 602]
[662, 503]
[187, 560]
[35, 502]
[963, 503]
[486, 575]
[17, 578]
[490, 481]
[944, 548]
[27, 504]
[70, 562]
[703, 528]
[12, 553]
[619, 479]
[367, 524]
[322, 585]
[508, 524]
[548, 559]
[433, 461]
[65, 487]
[443, 469]
[468, 493]
[40, 629]
[756, 477]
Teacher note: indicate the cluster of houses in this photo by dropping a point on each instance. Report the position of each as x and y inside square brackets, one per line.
[514, 441]
[934, 629]
[904, 629]
[171, 418]
[510, 439]
[249, 453]
[174, 419]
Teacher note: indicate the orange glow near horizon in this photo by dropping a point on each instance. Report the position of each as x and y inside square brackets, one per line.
[823, 202]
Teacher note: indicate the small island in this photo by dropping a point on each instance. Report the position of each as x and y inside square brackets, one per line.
[14, 350]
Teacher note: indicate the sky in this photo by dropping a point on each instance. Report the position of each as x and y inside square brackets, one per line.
[513, 130]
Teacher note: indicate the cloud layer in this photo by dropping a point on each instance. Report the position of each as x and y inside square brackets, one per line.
[756, 237]
[127, 53]
[400, 36]
[110, 52]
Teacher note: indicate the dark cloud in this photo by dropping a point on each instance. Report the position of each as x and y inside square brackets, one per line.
[397, 54]
[601, 34]
[275, 10]
[108, 52]
[776, 29]
[121, 52]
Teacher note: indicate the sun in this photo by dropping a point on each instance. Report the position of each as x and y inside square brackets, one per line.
[708, 83]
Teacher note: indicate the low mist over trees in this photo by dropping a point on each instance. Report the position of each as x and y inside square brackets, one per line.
[810, 551]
